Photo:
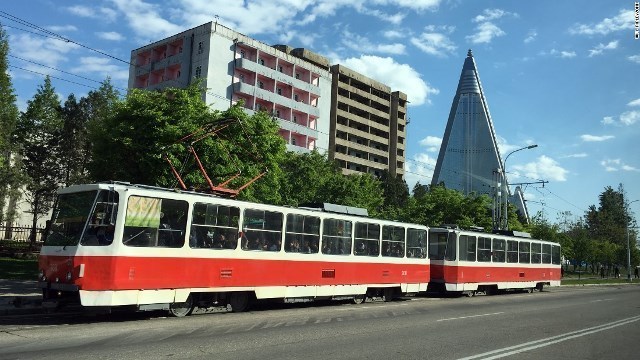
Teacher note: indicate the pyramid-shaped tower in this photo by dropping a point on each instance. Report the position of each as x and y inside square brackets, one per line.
[469, 160]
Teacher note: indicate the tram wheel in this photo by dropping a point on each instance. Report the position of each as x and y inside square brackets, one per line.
[540, 287]
[359, 299]
[389, 294]
[239, 301]
[182, 309]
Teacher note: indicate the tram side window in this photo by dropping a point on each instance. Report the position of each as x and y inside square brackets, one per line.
[484, 249]
[555, 255]
[524, 252]
[336, 237]
[546, 253]
[536, 253]
[214, 226]
[393, 241]
[417, 243]
[367, 239]
[467, 248]
[100, 229]
[512, 251]
[498, 250]
[262, 230]
[302, 234]
[438, 245]
[155, 222]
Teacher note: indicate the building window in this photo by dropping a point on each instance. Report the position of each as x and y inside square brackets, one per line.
[297, 75]
[279, 90]
[198, 71]
[280, 68]
[261, 61]
[178, 74]
[277, 113]
[260, 84]
[242, 77]
[242, 54]
[200, 47]
[180, 50]
[295, 119]
[295, 97]
[293, 141]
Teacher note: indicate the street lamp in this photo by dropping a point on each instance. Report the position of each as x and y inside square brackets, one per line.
[626, 213]
[506, 188]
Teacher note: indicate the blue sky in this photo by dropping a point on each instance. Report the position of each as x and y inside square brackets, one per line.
[564, 75]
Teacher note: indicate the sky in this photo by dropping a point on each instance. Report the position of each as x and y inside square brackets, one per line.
[564, 75]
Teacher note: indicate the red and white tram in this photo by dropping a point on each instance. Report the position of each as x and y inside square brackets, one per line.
[467, 262]
[117, 244]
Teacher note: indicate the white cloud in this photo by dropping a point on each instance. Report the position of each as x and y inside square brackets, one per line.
[418, 5]
[400, 77]
[626, 118]
[393, 34]
[543, 168]
[432, 143]
[505, 148]
[611, 165]
[531, 36]
[563, 54]
[62, 28]
[419, 169]
[602, 47]
[575, 156]
[103, 67]
[363, 45]
[111, 35]
[607, 120]
[101, 13]
[492, 14]
[485, 32]
[47, 51]
[595, 138]
[434, 44]
[630, 117]
[635, 102]
[634, 58]
[622, 21]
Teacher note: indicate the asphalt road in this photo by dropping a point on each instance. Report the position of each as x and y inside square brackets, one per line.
[599, 322]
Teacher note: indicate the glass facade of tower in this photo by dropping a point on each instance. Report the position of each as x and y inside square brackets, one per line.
[469, 157]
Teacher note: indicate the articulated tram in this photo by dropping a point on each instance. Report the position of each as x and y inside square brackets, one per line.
[468, 262]
[148, 248]
[117, 244]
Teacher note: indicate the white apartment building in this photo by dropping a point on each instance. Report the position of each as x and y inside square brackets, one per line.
[294, 85]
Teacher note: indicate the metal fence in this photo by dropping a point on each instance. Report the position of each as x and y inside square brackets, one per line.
[20, 233]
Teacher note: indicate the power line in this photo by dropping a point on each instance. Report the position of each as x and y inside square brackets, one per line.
[62, 71]
[53, 77]
[57, 36]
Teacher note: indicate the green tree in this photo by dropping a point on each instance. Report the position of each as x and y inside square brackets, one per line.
[9, 171]
[395, 190]
[312, 178]
[129, 145]
[607, 222]
[39, 131]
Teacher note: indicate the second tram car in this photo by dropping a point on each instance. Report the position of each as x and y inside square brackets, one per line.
[117, 244]
[467, 262]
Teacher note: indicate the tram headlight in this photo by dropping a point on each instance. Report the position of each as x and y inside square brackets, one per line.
[69, 276]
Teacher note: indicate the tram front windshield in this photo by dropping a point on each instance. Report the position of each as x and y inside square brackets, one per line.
[87, 213]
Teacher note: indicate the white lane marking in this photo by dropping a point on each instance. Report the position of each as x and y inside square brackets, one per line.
[511, 350]
[356, 307]
[470, 316]
[594, 301]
